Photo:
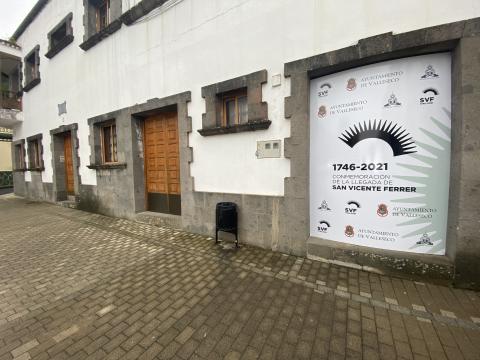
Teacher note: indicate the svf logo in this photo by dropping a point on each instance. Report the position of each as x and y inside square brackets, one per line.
[324, 90]
[352, 208]
[429, 96]
[323, 226]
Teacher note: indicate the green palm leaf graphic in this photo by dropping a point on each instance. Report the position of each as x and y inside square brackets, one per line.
[431, 192]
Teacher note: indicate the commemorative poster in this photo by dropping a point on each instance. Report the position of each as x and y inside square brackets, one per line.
[380, 154]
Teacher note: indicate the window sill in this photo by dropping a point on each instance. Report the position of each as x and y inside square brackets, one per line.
[251, 126]
[39, 169]
[19, 170]
[31, 84]
[99, 36]
[107, 166]
[59, 47]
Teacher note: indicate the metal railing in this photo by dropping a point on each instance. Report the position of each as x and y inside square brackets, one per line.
[6, 179]
[10, 100]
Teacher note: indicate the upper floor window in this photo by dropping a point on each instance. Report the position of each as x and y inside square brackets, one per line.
[60, 36]
[102, 19]
[35, 161]
[103, 14]
[32, 68]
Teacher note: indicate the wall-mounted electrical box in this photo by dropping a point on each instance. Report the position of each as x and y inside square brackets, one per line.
[269, 149]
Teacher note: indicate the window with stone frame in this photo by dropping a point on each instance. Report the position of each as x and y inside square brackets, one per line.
[32, 68]
[235, 105]
[102, 14]
[101, 19]
[35, 152]
[60, 36]
[108, 134]
[104, 142]
[19, 155]
[234, 109]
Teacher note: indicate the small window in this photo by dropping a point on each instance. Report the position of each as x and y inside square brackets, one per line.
[102, 9]
[235, 108]
[19, 157]
[34, 154]
[32, 66]
[60, 36]
[109, 143]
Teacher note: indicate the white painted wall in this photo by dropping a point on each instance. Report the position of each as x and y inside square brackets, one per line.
[197, 43]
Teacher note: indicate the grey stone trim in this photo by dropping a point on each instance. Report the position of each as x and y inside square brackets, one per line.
[64, 128]
[463, 249]
[140, 10]
[107, 166]
[97, 37]
[257, 109]
[91, 37]
[95, 124]
[59, 191]
[121, 191]
[31, 83]
[251, 126]
[37, 137]
[54, 50]
[138, 113]
[20, 142]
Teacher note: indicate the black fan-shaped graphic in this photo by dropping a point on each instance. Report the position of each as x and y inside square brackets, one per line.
[354, 203]
[326, 85]
[435, 91]
[399, 139]
[325, 223]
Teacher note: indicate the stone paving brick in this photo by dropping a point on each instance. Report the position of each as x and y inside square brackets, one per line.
[139, 291]
[24, 348]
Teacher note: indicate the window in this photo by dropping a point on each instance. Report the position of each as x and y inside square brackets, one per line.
[235, 105]
[19, 157]
[60, 36]
[109, 143]
[32, 69]
[34, 154]
[102, 14]
[102, 19]
[234, 108]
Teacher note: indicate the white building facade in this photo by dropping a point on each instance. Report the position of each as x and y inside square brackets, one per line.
[158, 110]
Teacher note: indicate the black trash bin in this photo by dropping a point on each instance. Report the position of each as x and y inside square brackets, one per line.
[226, 219]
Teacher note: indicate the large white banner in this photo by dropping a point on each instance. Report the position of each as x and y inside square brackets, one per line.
[380, 154]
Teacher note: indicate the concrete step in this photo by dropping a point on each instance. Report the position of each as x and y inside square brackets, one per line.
[159, 219]
[68, 204]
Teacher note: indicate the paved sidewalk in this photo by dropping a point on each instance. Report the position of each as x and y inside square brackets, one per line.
[75, 285]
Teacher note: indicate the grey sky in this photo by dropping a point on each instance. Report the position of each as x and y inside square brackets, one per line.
[12, 12]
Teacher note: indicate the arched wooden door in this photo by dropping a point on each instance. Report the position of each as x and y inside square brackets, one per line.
[162, 163]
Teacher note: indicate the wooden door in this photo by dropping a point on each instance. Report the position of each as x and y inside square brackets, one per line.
[162, 163]
[67, 149]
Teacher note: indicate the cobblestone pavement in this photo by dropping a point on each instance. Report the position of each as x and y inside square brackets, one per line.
[75, 285]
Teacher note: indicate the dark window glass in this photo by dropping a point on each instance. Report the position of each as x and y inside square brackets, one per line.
[19, 160]
[34, 154]
[235, 108]
[58, 35]
[103, 15]
[109, 143]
